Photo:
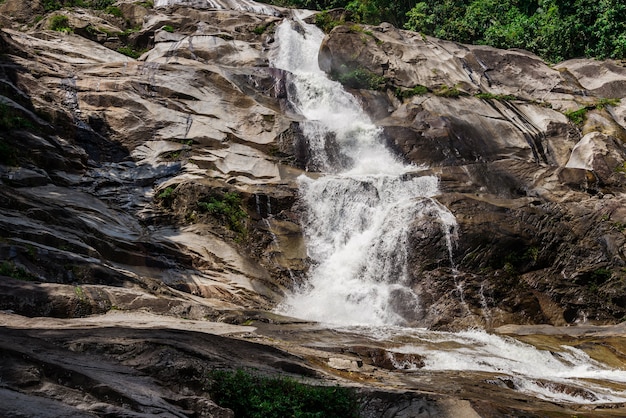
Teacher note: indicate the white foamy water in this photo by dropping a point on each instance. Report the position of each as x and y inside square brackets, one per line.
[357, 226]
[242, 5]
[358, 217]
[568, 375]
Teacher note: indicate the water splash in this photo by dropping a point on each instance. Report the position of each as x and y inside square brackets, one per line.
[358, 219]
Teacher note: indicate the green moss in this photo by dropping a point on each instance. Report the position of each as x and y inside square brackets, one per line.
[168, 28]
[253, 396]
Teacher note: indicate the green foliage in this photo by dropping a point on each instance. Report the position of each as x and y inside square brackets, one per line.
[491, 96]
[361, 78]
[418, 90]
[554, 29]
[252, 396]
[597, 278]
[602, 103]
[261, 29]
[9, 269]
[129, 51]
[447, 91]
[11, 118]
[8, 154]
[577, 116]
[114, 11]
[228, 209]
[167, 195]
[60, 23]
[168, 28]
[147, 4]
[326, 22]
[51, 5]
[101, 4]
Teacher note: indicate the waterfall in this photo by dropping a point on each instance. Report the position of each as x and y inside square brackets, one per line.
[359, 214]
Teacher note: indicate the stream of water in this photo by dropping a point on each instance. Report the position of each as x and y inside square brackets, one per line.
[358, 217]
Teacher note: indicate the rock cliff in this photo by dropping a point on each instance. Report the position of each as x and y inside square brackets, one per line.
[148, 164]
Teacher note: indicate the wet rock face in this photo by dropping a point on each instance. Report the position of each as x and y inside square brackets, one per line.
[114, 170]
[534, 194]
[174, 173]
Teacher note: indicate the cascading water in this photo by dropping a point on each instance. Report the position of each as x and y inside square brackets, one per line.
[357, 223]
[359, 217]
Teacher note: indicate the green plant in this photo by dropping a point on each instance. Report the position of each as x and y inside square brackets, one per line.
[418, 90]
[147, 4]
[166, 196]
[114, 11]
[51, 5]
[228, 209]
[326, 22]
[168, 28]
[253, 396]
[361, 78]
[261, 29]
[604, 102]
[79, 292]
[130, 51]
[491, 96]
[447, 91]
[10, 118]
[101, 4]
[60, 23]
[577, 116]
[9, 269]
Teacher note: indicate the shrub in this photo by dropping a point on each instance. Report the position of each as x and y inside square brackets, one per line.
[228, 209]
[602, 103]
[9, 269]
[361, 78]
[577, 116]
[114, 11]
[253, 396]
[60, 23]
[8, 154]
[166, 194]
[326, 22]
[418, 90]
[447, 91]
[129, 51]
[10, 118]
[491, 96]
[51, 5]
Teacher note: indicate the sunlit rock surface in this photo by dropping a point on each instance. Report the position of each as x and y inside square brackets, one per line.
[105, 159]
[536, 196]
